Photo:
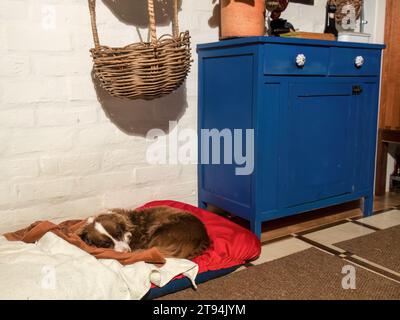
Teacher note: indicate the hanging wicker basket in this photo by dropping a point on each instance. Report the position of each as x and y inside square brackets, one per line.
[144, 70]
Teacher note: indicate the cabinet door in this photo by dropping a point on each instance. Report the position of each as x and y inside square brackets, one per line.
[318, 142]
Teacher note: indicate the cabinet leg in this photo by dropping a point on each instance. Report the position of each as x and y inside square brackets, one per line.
[255, 227]
[368, 206]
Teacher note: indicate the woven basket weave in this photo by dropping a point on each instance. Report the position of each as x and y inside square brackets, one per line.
[144, 70]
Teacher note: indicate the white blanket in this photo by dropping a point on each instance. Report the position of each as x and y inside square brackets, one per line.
[54, 269]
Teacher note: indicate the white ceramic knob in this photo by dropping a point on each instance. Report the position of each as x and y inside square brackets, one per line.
[359, 61]
[300, 60]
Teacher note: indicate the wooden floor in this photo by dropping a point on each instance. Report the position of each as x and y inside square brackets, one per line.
[286, 226]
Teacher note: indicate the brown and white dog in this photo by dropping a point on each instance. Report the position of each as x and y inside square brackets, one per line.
[174, 232]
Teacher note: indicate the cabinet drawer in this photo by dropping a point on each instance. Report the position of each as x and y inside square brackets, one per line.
[343, 62]
[281, 60]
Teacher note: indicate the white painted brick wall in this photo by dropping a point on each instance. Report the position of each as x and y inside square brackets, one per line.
[16, 65]
[61, 156]
[22, 117]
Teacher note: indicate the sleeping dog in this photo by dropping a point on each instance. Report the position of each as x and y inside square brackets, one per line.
[174, 232]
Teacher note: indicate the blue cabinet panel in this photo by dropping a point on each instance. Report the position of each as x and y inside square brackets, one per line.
[267, 145]
[224, 99]
[318, 126]
[367, 115]
[315, 126]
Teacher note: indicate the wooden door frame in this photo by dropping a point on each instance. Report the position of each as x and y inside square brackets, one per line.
[386, 134]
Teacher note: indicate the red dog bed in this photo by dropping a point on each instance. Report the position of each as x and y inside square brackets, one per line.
[231, 244]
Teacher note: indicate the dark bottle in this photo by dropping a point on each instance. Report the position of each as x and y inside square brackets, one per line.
[330, 25]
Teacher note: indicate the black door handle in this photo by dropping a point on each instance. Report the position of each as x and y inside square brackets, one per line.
[357, 90]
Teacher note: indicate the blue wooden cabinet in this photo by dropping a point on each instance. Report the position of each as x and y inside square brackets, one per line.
[313, 107]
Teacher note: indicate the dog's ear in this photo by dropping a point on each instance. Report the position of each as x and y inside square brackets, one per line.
[84, 237]
[82, 234]
[82, 231]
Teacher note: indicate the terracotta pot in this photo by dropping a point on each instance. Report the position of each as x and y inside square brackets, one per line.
[242, 18]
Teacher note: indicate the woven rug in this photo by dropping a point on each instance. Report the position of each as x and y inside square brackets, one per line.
[381, 247]
[308, 275]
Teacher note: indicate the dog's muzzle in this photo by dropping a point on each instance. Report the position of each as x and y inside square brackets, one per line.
[121, 246]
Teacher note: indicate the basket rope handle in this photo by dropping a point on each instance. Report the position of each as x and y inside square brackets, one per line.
[152, 22]
[175, 22]
[92, 10]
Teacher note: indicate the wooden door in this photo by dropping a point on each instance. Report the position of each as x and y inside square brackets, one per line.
[390, 95]
[389, 116]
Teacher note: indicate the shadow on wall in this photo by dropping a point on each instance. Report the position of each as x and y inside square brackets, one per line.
[215, 19]
[137, 117]
[135, 12]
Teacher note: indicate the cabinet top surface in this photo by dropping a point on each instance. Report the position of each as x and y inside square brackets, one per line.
[282, 40]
